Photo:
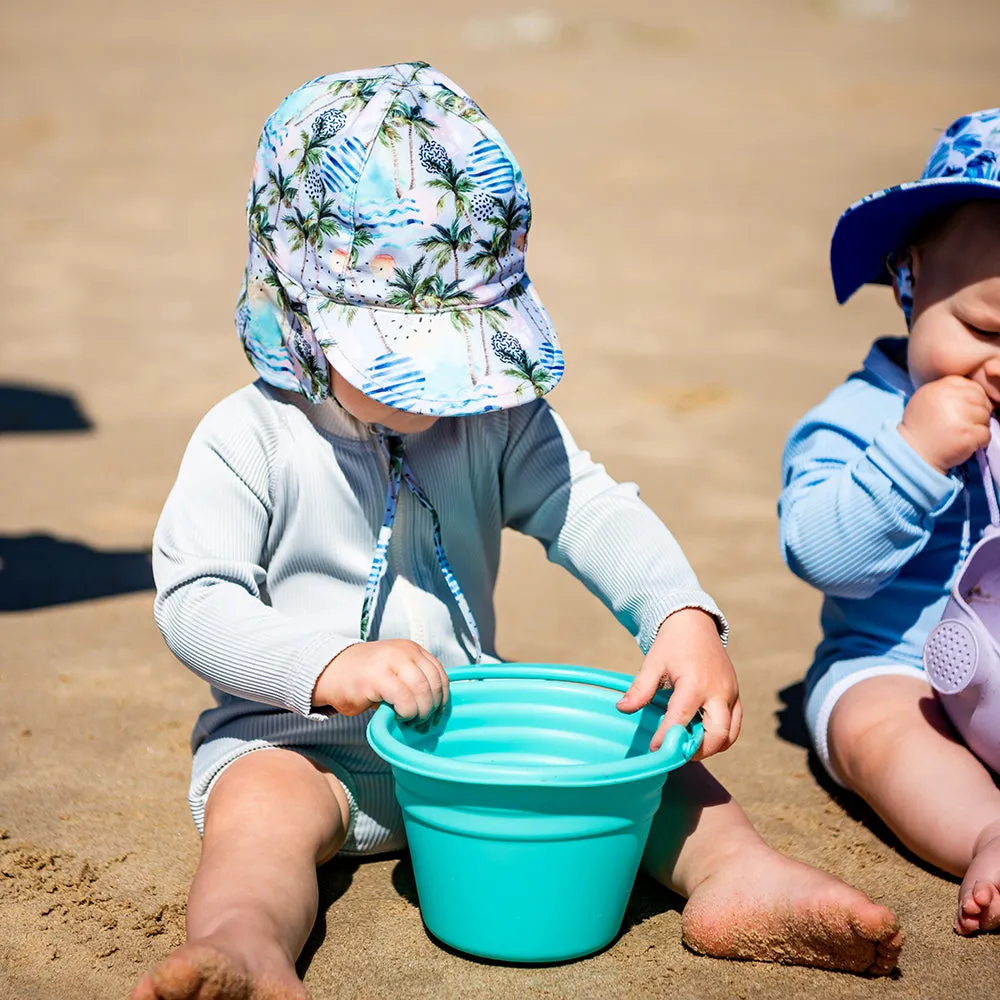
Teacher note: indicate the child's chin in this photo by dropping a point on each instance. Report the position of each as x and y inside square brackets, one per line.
[410, 423]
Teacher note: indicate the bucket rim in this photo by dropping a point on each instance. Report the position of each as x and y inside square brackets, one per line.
[679, 746]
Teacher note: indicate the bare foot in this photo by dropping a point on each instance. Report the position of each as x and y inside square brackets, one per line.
[979, 897]
[211, 971]
[767, 907]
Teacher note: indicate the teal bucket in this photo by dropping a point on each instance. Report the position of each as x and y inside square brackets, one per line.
[527, 805]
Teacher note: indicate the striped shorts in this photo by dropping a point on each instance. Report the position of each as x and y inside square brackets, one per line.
[337, 743]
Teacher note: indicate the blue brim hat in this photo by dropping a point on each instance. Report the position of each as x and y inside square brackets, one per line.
[388, 229]
[964, 166]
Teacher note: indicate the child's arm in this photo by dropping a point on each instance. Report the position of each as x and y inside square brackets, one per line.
[860, 500]
[211, 586]
[211, 605]
[605, 536]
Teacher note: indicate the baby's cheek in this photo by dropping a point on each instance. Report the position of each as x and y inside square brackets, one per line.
[937, 349]
[940, 360]
[921, 362]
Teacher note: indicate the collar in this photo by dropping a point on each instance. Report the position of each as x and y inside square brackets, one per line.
[882, 366]
[328, 416]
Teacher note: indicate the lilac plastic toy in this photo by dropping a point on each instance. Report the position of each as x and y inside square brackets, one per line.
[962, 653]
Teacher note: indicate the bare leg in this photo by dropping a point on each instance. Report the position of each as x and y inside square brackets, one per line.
[271, 818]
[891, 742]
[746, 900]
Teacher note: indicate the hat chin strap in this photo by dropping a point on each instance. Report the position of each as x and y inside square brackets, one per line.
[400, 473]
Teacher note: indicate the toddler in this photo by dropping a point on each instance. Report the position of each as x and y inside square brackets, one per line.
[881, 504]
[333, 541]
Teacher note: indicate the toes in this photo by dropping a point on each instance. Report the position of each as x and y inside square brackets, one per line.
[200, 972]
[887, 954]
[982, 893]
[969, 906]
[144, 990]
[989, 919]
[874, 922]
[979, 909]
[176, 980]
[194, 973]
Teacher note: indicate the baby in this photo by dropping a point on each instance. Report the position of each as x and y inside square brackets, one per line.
[333, 541]
[881, 504]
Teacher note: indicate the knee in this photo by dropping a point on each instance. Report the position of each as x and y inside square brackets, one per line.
[867, 732]
[854, 743]
[279, 795]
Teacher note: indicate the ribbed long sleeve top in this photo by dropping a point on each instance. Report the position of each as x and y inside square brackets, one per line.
[264, 546]
[868, 521]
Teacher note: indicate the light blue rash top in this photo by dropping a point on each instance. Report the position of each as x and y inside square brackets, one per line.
[869, 522]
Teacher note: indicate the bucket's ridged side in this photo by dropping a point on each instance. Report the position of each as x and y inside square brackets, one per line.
[527, 806]
[563, 860]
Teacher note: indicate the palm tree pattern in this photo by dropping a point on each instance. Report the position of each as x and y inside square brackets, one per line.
[446, 244]
[964, 165]
[531, 373]
[418, 127]
[388, 194]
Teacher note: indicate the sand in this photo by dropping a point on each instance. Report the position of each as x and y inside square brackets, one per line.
[687, 163]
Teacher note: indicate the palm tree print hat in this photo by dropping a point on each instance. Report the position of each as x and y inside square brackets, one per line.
[388, 223]
[964, 166]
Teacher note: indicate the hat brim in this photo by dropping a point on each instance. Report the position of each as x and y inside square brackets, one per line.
[882, 222]
[455, 362]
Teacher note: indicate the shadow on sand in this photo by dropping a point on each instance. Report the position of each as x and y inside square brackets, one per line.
[335, 879]
[28, 410]
[40, 570]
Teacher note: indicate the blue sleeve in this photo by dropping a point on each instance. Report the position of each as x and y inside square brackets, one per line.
[857, 502]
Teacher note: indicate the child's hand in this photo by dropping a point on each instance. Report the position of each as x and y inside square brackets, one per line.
[688, 654]
[947, 420]
[396, 671]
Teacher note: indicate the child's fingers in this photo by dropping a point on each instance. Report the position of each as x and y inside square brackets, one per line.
[736, 722]
[641, 690]
[446, 689]
[437, 676]
[411, 686]
[396, 693]
[685, 700]
[716, 720]
[423, 689]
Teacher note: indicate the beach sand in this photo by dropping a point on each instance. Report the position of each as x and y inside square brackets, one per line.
[687, 164]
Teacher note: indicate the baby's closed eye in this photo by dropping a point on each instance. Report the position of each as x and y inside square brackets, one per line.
[982, 331]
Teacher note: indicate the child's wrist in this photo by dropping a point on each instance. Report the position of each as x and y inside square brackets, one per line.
[920, 447]
[321, 696]
[689, 619]
[326, 689]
